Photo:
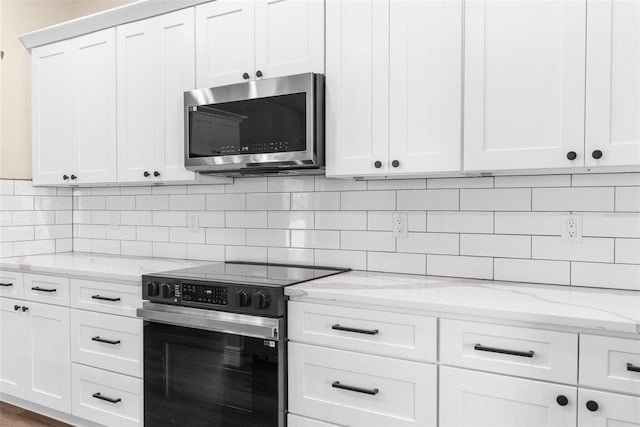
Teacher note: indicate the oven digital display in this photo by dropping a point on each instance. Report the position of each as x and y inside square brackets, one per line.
[205, 294]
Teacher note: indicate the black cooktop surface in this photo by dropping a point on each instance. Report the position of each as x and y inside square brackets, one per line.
[246, 273]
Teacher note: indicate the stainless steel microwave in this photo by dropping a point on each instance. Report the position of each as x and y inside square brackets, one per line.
[260, 127]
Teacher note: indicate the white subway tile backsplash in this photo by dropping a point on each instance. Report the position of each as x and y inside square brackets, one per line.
[134, 217]
[589, 249]
[105, 191]
[267, 237]
[628, 199]
[136, 248]
[16, 233]
[341, 220]
[269, 201]
[460, 266]
[105, 246]
[6, 187]
[192, 202]
[187, 235]
[397, 184]
[396, 262]
[169, 218]
[606, 179]
[204, 189]
[81, 245]
[88, 231]
[328, 201]
[43, 232]
[532, 271]
[207, 219]
[169, 250]
[290, 184]
[315, 239]
[25, 188]
[129, 191]
[495, 245]
[291, 220]
[597, 275]
[533, 181]
[246, 253]
[535, 223]
[63, 217]
[290, 256]
[169, 189]
[34, 247]
[16, 203]
[628, 251]
[225, 202]
[460, 222]
[367, 240]
[246, 219]
[356, 260]
[92, 203]
[368, 200]
[102, 217]
[83, 217]
[382, 220]
[573, 199]
[427, 200]
[120, 203]
[152, 203]
[153, 234]
[5, 218]
[429, 243]
[32, 217]
[205, 252]
[480, 182]
[330, 184]
[611, 224]
[64, 245]
[497, 199]
[247, 185]
[226, 236]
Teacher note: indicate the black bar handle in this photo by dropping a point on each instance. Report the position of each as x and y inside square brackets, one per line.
[480, 347]
[105, 341]
[337, 327]
[108, 399]
[372, 392]
[6, 284]
[631, 367]
[105, 298]
[38, 288]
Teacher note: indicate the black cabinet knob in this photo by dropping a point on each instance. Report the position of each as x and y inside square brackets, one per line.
[592, 405]
[562, 400]
[156, 174]
[395, 163]
[378, 164]
[74, 177]
[258, 73]
[146, 174]
[24, 308]
[572, 155]
[245, 76]
[16, 307]
[65, 177]
[596, 154]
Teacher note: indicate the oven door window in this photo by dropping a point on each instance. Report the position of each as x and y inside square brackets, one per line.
[202, 378]
[254, 126]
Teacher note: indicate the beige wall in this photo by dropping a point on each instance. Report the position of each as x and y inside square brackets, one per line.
[18, 17]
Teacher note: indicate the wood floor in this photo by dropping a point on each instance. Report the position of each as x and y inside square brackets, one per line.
[13, 416]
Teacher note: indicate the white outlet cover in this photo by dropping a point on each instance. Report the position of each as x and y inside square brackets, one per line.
[399, 225]
[566, 237]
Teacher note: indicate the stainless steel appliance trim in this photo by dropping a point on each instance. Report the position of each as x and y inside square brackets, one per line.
[309, 83]
[211, 320]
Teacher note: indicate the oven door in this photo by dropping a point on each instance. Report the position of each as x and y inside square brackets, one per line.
[203, 377]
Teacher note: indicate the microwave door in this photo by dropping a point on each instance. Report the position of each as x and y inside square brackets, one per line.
[214, 132]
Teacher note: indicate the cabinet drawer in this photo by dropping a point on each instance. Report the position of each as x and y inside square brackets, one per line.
[374, 332]
[360, 390]
[298, 421]
[525, 352]
[107, 341]
[613, 410]
[11, 284]
[105, 397]
[610, 363]
[47, 289]
[112, 298]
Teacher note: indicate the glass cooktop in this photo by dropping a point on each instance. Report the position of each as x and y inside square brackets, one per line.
[246, 273]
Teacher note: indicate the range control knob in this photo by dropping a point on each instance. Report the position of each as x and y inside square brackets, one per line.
[243, 299]
[166, 290]
[260, 300]
[153, 289]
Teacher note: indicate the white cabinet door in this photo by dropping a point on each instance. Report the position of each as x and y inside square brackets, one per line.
[469, 398]
[174, 74]
[524, 84]
[51, 113]
[224, 42]
[48, 356]
[600, 409]
[94, 133]
[135, 100]
[357, 87]
[425, 116]
[289, 37]
[13, 361]
[613, 83]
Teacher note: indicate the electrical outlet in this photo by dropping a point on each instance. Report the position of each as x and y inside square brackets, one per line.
[572, 228]
[193, 222]
[114, 220]
[399, 225]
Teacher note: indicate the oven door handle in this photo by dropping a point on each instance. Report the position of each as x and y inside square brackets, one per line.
[228, 323]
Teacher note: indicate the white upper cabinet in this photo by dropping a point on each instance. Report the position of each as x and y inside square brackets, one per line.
[261, 39]
[289, 37]
[156, 62]
[357, 87]
[74, 140]
[425, 86]
[613, 83]
[393, 87]
[524, 95]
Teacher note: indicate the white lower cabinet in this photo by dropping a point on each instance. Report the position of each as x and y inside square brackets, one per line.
[356, 389]
[601, 409]
[298, 421]
[105, 397]
[469, 398]
[12, 348]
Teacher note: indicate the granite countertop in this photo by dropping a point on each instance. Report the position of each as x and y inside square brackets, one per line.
[107, 267]
[588, 308]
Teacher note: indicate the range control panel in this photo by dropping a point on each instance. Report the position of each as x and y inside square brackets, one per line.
[256, 300]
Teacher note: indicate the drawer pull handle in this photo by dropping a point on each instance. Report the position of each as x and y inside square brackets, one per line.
[372, 392]
[38, 288]
[6, 285]
[105, 341]
[105, 298]
[632, 368]
[480, 347]
[337, 327]
[108, 399]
